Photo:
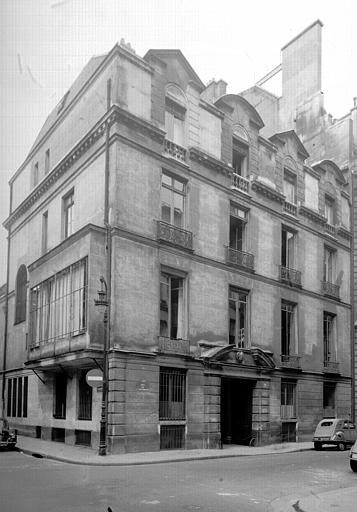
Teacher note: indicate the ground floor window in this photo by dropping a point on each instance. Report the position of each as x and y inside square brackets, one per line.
[82, 437]
[172, 408]
[288, 399]
[60, 396]
[17, 397]
[288, 432]
[329, 392]
[84, 398]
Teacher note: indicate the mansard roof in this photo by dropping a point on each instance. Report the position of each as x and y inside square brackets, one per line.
[238, 99]
[282, 136]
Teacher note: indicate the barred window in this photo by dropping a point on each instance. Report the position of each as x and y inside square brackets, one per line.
[84, 398]
[59, 304]
[288, 399]
[17, 397]
[172, 394]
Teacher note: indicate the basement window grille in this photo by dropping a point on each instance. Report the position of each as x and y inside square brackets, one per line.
[172, 437]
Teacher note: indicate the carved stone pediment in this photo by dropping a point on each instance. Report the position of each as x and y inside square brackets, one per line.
[230, 354]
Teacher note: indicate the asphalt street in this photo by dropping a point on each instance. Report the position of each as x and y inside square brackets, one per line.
[243, 484]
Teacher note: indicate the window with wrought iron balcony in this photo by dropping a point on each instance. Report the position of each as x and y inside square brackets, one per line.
[330, 363]
[236, 255]
[328, 287]
[330, 215]
[240, 153]
[289, 336]
[175, 113]
[170, 229]
[289, 187]
[288, 272]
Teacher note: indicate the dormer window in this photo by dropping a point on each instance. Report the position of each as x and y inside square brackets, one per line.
[240, 151]
[175, 111]
[330, 210]
[289, 186]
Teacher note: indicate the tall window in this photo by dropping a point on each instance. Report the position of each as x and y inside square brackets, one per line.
[68, 203]
[240, 158]
[44, 232]
[289, 186]
[175, 111]
[47, 161]
[329, 336]
[21, 295]
[172, 306]
[238, 317]
[288, 328]
[58, 305]
[84, 398]
[288, 244]
[17, 397]
[330, 210]
[237, 225]
[329, 264]
[329, 391]
[172, 394]
[60, 396]
[288, 399]
[35, 174]
[172, 200]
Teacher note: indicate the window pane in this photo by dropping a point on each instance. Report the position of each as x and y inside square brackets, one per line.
[178, 210]
[166, 180]
[164, 306]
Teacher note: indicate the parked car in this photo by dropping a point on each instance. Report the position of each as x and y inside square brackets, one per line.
[353, 457]
[8, 436]
[336, 431]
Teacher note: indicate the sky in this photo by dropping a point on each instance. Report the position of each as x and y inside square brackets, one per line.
[44, 44]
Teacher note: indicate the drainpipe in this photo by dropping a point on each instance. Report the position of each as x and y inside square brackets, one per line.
[6, 316]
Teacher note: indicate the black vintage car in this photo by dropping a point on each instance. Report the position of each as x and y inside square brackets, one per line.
[8, 436]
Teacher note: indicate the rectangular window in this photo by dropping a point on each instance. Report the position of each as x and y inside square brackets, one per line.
[17, 396]
[329, 337]
[68, 203]
[330, 210]
[35, 174]
[84, 398]
[237, 225]
[329, 391]
[175, 122]
[172, 306]
[288, 328]
[60, 396]
[240, 158]
[47, 161]
[288, 399]
[172, 394]
[289, 186]
[238, 317]
[329, 265]
[288, 243]
[172, 200]
[59, 305]
[44, 232]
[311, 192]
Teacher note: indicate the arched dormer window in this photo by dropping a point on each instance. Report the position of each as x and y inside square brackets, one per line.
[240, 151]
[21, 295]
[175, 112]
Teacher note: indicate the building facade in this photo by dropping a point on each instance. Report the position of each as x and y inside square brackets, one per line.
[226, 257]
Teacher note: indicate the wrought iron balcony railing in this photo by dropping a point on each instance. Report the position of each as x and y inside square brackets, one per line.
[174, 150]
[240, 258]
[290, 276]
[290, 361]
[331, 367]
[290, 208]
[240, 183]
[174, 235]
[330, 289]
[173, 346]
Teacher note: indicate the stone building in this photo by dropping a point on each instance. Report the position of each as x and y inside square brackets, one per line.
[226, 258]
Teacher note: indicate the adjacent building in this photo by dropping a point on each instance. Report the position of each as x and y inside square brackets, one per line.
[224, 251]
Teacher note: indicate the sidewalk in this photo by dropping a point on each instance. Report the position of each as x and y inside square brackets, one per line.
[341, 500]
[83, 455]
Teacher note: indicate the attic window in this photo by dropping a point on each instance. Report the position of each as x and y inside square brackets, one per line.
[62, 103]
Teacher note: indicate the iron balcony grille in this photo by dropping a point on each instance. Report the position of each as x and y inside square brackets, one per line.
[290, 361]
[174, 150]
[172, 437]
[173, 346]
[174, 235]
[240, 183]
[290, 276]
[290, 208]
[240, 258]
[330, 289]
[172, 394]
[331, 367]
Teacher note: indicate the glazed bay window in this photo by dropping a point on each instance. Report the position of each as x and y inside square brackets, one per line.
[288, 272]
[289, 188]
[288, 399]
[172, 306]
[329, 341]
[59, 305]
[289, 333]
[238, 317]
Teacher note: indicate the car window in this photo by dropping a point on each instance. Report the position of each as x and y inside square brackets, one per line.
[326, 423]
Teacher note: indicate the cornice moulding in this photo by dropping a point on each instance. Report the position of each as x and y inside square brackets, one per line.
[312, 215]
[201, 157]
[265, 190]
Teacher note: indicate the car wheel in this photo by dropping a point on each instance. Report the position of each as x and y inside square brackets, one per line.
[341, 446]
[353, 465]
[318, 446]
